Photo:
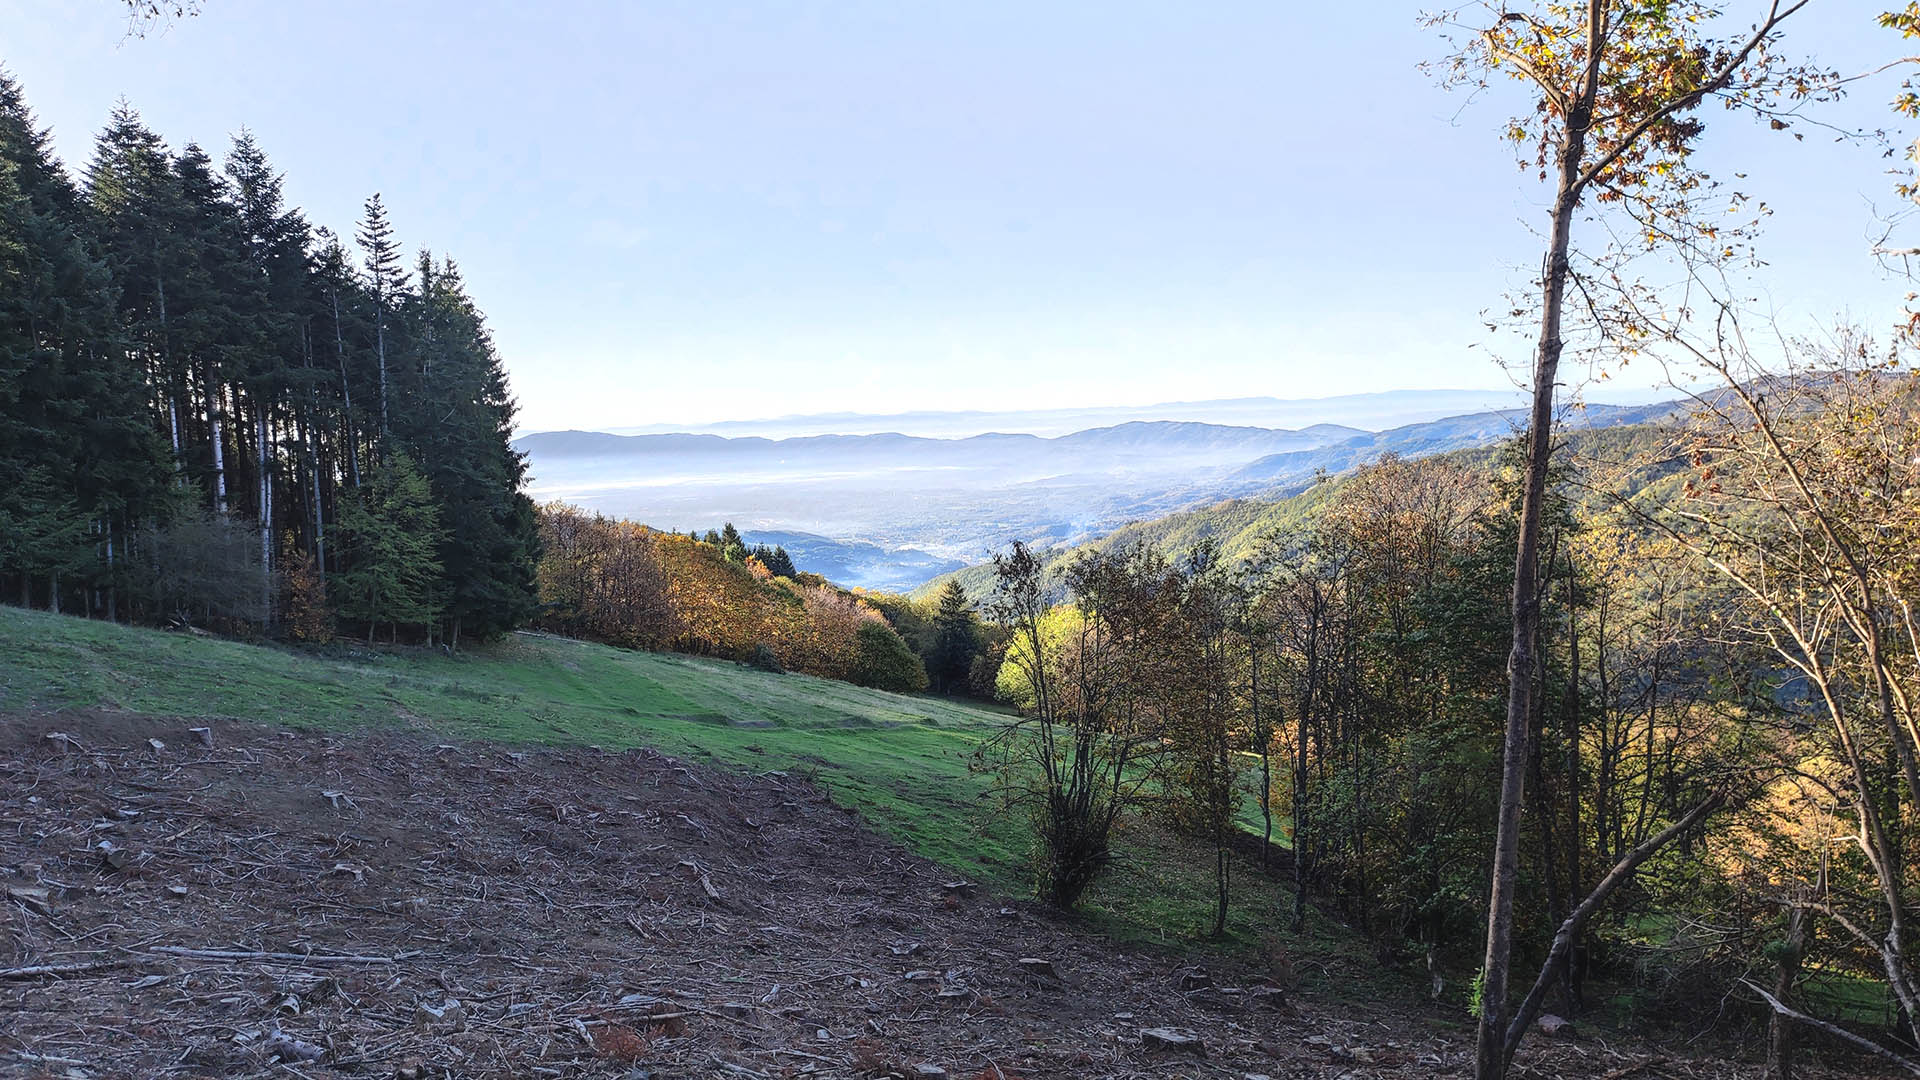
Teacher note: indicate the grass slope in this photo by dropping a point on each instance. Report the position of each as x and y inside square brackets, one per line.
[902, 761]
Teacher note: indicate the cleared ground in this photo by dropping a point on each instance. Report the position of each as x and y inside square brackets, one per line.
[312, 905]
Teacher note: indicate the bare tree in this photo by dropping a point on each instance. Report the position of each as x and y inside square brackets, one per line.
[1805, 498]
[1616, 88]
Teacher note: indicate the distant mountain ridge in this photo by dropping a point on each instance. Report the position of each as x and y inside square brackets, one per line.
[1439, 436]
[1237, 524]
[1367, 411]
[888, 510]
[1144, 436]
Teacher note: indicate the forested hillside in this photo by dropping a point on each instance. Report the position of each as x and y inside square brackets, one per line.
[625, 584]
[1718, 612]
[1634, 454]
[216, 412]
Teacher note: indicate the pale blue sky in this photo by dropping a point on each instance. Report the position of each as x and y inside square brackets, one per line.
[686, 211]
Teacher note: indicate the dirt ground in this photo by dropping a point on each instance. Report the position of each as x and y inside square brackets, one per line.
[299, 905]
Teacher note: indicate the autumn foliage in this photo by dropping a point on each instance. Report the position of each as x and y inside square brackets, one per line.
[629, 585]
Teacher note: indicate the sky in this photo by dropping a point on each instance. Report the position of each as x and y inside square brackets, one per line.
[680, 212]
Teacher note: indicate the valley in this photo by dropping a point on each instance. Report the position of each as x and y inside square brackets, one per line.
[892, 512]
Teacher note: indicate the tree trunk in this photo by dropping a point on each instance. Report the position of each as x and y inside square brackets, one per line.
[219, 448]
[113, 597]
[1300, 772]
[1222, 822]
[265, 505]
[380, 349]
[1266, 757]
[1574, 971]
[346, 389]
[1780, 1029]
[1489, 1061]
[173, 428]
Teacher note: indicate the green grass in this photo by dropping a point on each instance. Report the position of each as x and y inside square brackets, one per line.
[901, 760]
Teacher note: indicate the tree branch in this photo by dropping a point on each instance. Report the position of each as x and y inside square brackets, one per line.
[1835, 1030]
[1686, 101]
[1569, 931]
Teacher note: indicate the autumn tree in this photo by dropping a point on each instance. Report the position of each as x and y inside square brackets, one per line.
[1616, 91]
[1079, 757]
[1804, 494]
[1202, 712]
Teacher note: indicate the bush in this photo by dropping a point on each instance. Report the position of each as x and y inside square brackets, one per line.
[206, 568]
[308, 617]
[765, 659]
[886, 663]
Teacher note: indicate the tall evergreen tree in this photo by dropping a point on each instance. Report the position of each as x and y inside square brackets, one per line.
[275, 241]
[464, 444]
[333, 305]
[386, 281]
[390, 537]
[77, 465]
[956, 640]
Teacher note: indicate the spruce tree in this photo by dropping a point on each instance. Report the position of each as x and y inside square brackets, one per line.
[334, 309]
[782, 563]
[386, 282]
[464, 444]
[956, 640]
[389, 540]
[279, 373]
[78, 465]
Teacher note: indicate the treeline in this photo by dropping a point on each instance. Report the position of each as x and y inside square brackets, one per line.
[1720, 772]
[214, 412]
[625, 584]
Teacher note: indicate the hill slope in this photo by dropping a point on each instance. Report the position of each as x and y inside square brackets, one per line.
[902, 761]
[867, 746]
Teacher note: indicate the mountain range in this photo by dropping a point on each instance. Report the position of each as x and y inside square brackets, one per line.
[887, 510]
[1371, 412]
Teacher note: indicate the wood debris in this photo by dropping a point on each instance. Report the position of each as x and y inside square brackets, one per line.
[569, 912]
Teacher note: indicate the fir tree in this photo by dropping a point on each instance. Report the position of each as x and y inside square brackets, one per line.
[464, 444]
[389, 537]
[386, 282]
[956, 640]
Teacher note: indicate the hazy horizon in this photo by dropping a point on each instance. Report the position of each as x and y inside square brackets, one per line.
[1371, 411]
[734, 210]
